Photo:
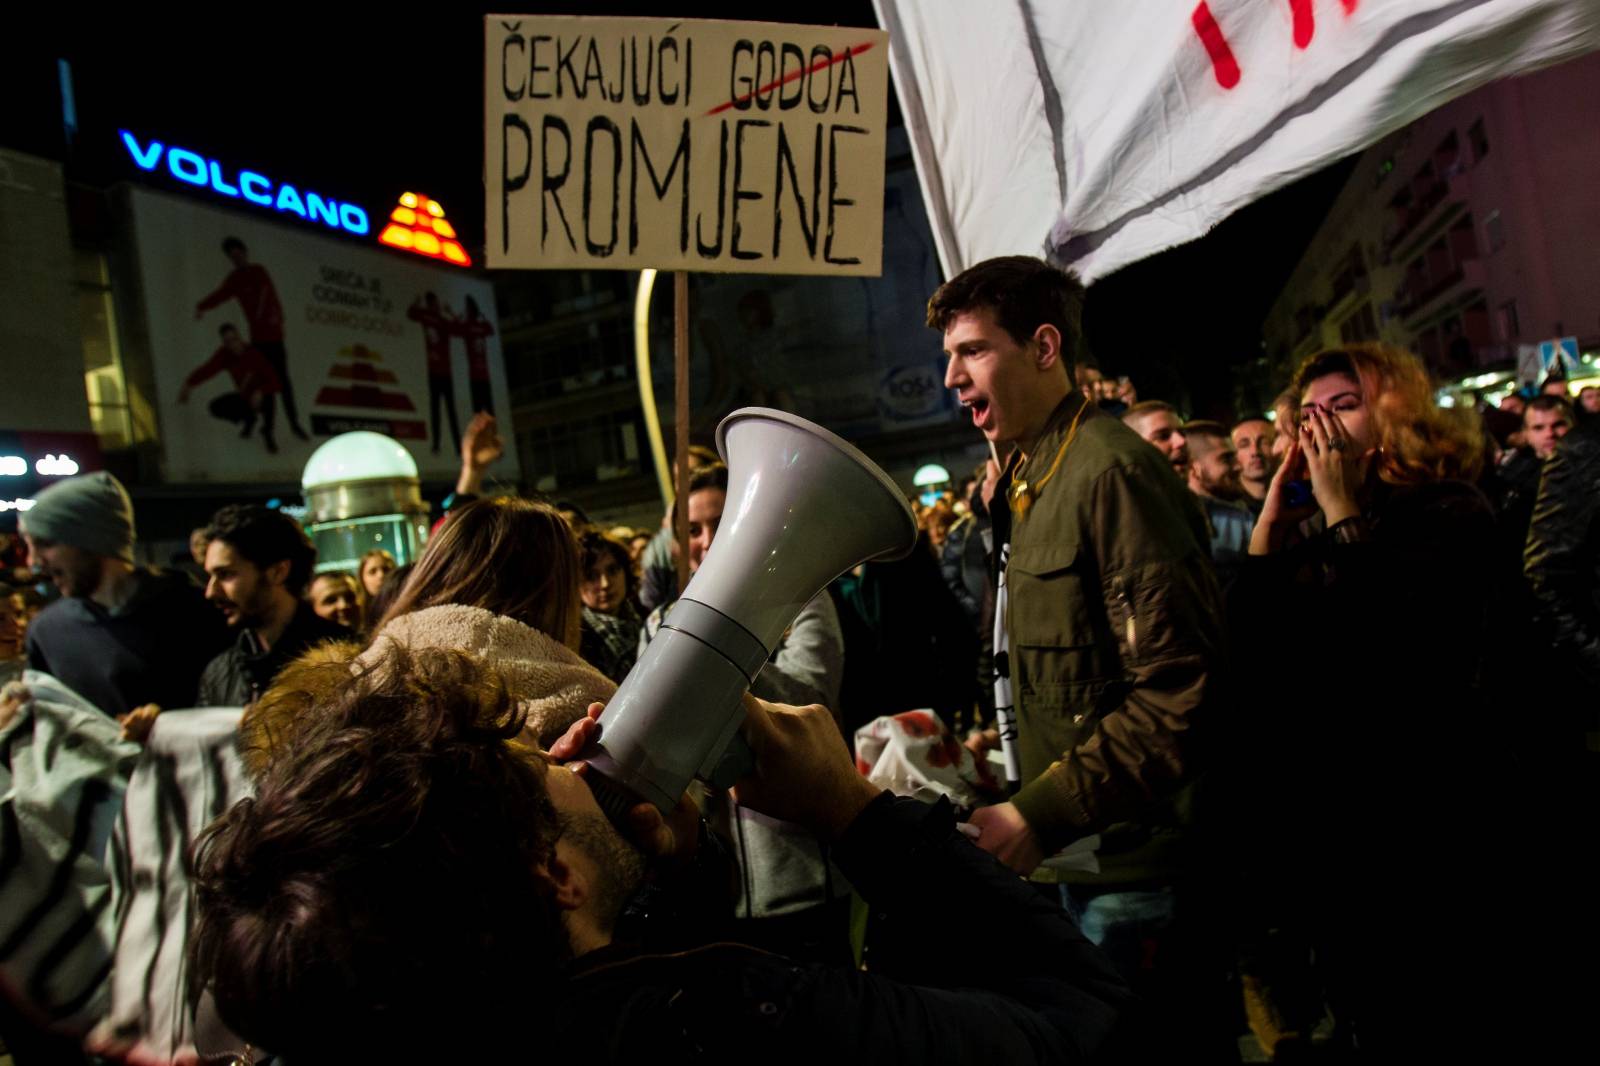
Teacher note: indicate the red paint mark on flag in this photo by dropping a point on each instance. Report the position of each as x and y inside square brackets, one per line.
[1305, 22]
[1223, 64]
[821, 64]
[1350, 6]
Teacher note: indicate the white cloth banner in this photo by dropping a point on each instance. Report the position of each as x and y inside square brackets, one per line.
[1098, 133]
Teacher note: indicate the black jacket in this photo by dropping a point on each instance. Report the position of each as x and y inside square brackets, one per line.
[1562, 560]
[242, 673]
[152, 649]
[1020, 985]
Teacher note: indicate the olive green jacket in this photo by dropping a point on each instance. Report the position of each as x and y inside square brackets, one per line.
[1115, 627]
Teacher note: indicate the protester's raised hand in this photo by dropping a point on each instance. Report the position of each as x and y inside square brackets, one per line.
[481, 445]
[803, 771]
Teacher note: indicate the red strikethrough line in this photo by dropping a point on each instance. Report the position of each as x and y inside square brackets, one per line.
[854, 50]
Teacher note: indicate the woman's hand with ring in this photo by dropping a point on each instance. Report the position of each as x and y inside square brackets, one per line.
[1335, 470]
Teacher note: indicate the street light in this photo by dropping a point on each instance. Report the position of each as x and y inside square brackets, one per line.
[363, 492]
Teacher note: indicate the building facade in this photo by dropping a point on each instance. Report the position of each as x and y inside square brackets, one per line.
[1465, 236]
[202, 346]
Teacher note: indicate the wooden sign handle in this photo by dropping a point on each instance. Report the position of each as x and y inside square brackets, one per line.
[680, 421]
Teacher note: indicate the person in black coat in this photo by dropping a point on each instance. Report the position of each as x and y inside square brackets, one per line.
[1372, 754]
[488, 887]
[121, 636]
[258, 563]
[1562, 560]
[907, 642]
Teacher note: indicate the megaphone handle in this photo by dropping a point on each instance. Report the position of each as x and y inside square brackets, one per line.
[736, 762]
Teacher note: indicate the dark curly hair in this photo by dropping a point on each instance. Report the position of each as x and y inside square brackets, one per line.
[266, 537]
[381, 884]
[1024, 293]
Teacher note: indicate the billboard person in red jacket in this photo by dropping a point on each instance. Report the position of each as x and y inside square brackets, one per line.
[437, 324]
[475, 331]
[255, 382]
[251, 285]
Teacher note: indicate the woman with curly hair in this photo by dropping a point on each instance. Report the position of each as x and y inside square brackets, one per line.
[1365, 759]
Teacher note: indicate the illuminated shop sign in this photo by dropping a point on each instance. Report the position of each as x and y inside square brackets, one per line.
[418, 225]
[195, 169]
[50, 466]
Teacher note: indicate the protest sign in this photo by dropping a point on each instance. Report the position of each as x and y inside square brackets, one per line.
[739, 147]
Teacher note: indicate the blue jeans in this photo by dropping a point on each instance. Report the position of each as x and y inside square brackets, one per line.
[1129, 927]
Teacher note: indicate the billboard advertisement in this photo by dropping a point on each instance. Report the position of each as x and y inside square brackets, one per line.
[266, 341]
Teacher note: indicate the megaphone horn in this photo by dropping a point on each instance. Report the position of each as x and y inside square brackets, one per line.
[803, 506]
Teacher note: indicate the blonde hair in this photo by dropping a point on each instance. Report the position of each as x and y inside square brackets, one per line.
[1418, 441]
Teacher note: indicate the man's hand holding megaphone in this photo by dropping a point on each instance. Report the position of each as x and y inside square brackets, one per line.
[803, 774]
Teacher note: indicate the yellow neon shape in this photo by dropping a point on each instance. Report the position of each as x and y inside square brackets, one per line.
[404, 215]
[435, 209]
[397, 236]
[409, 199]
[426, 242]
[453, 252]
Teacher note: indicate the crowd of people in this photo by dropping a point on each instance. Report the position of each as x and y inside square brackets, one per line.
[1299, 677]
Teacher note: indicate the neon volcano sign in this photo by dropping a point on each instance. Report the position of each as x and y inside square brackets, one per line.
[192, 168]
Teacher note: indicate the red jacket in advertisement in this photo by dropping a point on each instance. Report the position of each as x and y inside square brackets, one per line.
[252, 374]
[435, 337]
[475, 334]
[252, 286]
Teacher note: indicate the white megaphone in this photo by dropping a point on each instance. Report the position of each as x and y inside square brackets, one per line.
[802, 508]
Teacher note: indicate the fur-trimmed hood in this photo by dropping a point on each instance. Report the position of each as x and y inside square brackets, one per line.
[547, 677]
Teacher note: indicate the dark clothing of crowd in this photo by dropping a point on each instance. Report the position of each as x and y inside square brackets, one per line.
[908, 642]
[151, 649]
[1562, 560]
[1029, 989]
[243, 672]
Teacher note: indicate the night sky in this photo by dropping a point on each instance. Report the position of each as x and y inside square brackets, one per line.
[367, 105]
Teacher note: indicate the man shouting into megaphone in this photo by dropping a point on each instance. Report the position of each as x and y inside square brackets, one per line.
[411, 882]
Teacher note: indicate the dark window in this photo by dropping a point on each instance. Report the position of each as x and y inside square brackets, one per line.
[1510, 327]
[1494, 231]
[1361, 326]
[584, 452]
[1447, 157]
[1479, 139]
[1463, 239]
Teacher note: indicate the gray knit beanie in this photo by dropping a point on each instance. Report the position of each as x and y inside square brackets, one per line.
[92, 512]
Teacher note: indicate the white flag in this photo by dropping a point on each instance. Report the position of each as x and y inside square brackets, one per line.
[1098, 132]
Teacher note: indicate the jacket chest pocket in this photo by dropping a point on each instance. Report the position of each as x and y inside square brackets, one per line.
[1056, 645]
